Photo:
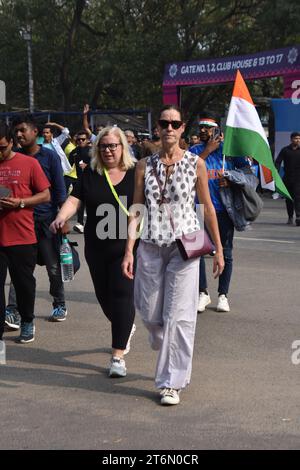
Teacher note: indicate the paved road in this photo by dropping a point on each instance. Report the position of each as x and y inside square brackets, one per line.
[244, 394]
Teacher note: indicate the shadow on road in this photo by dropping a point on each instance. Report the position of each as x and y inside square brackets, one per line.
[69, 373]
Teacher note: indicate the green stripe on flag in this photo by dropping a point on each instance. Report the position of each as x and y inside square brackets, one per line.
[240, 142]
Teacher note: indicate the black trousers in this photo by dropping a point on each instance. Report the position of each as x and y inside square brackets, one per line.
[48, 254]
[48, 251]
[69, 181]
[294, 205]
[113, 291]
[80, 214]
[20, 261]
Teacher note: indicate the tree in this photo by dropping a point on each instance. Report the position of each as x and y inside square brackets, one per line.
[112, 53]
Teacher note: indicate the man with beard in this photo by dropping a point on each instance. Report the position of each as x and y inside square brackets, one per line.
[26, 132]
[211, 150]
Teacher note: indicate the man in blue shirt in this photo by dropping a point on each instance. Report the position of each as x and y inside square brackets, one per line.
[55, 143]
[26, 133]
[211, 150]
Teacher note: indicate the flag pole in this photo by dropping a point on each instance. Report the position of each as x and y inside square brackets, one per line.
[223, 165]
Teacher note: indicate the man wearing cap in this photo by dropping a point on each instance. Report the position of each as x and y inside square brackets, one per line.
[211, 150]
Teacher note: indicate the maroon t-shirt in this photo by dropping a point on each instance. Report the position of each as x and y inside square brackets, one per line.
[25, 177]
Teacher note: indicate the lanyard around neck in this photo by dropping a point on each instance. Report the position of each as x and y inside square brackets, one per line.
[114, 192]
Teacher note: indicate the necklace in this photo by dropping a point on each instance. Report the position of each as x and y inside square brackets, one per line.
[170, 161]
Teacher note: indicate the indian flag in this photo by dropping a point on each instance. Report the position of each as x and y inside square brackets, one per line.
[245, 136]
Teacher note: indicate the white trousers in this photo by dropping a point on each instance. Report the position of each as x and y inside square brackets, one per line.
[166, 297]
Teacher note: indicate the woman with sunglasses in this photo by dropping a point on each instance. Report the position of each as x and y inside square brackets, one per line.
[106, 188]
[166, 286]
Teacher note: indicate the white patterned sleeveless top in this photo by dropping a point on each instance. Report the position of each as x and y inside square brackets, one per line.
[179, 190]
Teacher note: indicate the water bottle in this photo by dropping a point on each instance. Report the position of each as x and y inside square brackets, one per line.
[2, 352]
[70, 189]
[66, 261]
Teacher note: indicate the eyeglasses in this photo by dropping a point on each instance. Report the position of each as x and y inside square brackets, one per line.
[80, 139]
[165, 124]
[111, 147]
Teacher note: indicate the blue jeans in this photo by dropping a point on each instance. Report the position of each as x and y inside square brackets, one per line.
[226, 229]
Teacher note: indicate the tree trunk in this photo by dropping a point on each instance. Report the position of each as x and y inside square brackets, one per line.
[66, 84]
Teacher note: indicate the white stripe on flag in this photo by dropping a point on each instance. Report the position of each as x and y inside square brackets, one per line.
[243, 114]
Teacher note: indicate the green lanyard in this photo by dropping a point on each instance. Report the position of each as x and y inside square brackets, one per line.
[114, 192]
[118, 199]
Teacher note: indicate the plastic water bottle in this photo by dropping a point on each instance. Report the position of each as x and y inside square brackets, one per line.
[2, 352]
[66, 261]
[70, 189]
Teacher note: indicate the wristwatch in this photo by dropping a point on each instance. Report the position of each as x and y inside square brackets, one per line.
[22, 204]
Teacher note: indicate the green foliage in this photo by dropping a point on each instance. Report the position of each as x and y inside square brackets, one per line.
[112, 53]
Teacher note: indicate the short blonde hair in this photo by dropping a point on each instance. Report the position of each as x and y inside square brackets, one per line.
[126, 159]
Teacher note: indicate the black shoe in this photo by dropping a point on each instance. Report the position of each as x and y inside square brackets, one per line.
[27, 333]
[290, 221]
[298, 222]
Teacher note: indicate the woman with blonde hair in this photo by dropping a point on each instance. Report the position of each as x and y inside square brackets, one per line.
[106, 188]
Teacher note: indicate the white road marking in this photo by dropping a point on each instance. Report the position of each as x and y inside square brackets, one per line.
[263, 240]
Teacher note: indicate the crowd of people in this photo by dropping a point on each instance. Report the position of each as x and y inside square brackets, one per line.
[133, 259]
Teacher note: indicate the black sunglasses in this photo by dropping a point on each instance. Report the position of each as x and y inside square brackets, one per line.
[165, 124]
[80, 139]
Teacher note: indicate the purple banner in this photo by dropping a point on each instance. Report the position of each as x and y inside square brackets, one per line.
[262, 64]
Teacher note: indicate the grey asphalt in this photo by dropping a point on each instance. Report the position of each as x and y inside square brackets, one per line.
[244, 393]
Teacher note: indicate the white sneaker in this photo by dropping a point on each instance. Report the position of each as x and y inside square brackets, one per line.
[78, 228]
[204, 300]
[117, 367]
[169, 396]
[133, 330]
[223, 305]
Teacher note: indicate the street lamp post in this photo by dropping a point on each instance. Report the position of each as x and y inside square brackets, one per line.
[26, 35]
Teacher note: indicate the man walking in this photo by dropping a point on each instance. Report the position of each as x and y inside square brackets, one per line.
[290, 157]
[80, 156]
[26, 132]
[24, 185]
[55, 143]
[211, 150]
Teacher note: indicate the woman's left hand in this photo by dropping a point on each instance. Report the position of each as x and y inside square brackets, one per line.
[219, 264]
